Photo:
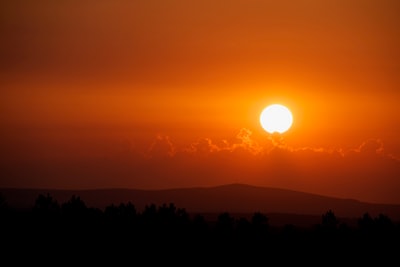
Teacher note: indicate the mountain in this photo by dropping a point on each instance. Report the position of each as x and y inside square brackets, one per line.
[232, 198]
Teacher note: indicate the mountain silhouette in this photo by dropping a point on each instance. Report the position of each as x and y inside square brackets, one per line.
[233, 198]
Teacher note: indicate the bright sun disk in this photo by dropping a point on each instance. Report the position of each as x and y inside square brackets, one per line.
[276, 118]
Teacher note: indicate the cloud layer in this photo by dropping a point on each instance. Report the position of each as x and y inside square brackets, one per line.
[364, 172]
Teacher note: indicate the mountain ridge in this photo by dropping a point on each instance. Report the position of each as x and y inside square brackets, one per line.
[233, 198]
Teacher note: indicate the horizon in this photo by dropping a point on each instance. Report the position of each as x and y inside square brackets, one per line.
[192, 187]
[281, 206]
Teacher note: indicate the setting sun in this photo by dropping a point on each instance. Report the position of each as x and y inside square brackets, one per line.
[276, 118]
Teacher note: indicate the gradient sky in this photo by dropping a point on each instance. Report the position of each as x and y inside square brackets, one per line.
[167, 93]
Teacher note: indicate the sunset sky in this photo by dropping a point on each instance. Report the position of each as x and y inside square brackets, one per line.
[166, 93]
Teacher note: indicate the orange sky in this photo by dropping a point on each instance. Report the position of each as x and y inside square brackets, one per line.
[161, 94]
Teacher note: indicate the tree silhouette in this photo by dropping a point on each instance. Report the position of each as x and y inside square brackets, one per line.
[375, 227]
[259, 224]
[199, 225]
[3, 202]
[244, 229]
[365, 223]
[383, 222]
[384, 226]
[166, 214]
[120, 230]
[182, 216]
[124, 213]
[149, 214]
[258, 218]
[225, 221]
[111, 212]
[329, 220]
[225, 224]
[327, 234]
[45, 205]
[128, 211]
[74, 208]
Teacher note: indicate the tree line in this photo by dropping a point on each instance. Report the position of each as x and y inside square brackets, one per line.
[123, 229]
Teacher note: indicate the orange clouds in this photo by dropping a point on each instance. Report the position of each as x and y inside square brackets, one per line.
[365, 172]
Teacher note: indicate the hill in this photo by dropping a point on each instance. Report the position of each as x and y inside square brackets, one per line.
[233, 198]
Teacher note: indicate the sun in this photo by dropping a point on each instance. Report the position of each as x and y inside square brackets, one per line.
[276, 119]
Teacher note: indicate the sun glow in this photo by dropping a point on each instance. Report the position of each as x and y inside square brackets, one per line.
[276, 118]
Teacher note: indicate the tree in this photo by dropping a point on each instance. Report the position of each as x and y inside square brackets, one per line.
[199, 224]
[128, 211]
[259, 220]
[225, 223]
[75, 207]
[149, 213]
[244, 228]
[329, 220]
[383, 221]
[384, 224]
[46, 206]
[3, 202]
[111, 212]
[124, 213]
[366, 223]
[259, 224]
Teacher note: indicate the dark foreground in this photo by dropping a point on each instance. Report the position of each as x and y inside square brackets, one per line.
[71, 233]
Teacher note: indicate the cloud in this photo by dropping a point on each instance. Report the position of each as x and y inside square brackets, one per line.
[244, 143]
[162, 146]
[364, 172]
[245, 146]
[203, 146]
[371, 146]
